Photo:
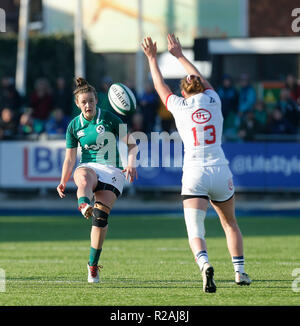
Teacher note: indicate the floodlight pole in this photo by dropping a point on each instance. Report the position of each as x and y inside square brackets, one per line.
[21, 68]
[139, 64]
[79, 50]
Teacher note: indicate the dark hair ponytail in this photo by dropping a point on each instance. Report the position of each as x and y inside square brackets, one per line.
[82, 86]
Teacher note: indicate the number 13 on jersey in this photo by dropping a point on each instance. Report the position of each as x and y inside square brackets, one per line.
[209, 135]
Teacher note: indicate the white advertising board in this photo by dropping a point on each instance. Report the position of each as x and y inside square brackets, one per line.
[25, 164]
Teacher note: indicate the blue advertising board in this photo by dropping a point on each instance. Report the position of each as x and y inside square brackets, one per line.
[261, 166]
[265, 166]
[255, 166]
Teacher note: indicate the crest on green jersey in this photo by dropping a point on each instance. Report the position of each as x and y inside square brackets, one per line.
[100, 129]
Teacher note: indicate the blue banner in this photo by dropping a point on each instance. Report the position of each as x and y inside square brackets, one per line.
[255, 166]
[265, 166]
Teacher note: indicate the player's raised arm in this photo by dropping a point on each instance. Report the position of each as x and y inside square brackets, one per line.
[150, 50]
[174, 47]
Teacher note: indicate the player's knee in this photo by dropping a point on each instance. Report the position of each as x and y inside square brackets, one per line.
[229, 224]
[81, 180]
[100, 218]
[83, 177]
[100, 215]
[194, 221]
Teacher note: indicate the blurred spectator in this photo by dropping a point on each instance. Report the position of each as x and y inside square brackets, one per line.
[9, 96]
[228, 95]
[149, 104]
[247, 95]
[261, 114]
[293, 86]
[166, 118]
[63, 96]
[231, 126]
[131, 85]
[57, 123]
[8, 124]
[25, 127]
[249, 127]
[103, 101]
[41, 101]
[136, 122]
[278, 124]
[289, 107]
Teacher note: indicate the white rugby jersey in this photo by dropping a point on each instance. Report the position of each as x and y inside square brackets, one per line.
[199, 122]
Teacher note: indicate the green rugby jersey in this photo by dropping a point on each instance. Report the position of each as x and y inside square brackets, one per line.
[98, 138]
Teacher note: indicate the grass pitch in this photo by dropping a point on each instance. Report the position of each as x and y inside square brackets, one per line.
[146, 261]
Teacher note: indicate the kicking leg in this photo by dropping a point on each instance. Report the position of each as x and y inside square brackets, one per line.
[85, 180]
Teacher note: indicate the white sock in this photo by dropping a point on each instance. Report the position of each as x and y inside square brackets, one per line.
[201, 258]
[238, 264]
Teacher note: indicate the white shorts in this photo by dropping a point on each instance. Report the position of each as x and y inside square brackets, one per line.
[215, 182]
[106, 175]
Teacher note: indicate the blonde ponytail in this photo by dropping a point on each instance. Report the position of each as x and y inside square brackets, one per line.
[191, 84]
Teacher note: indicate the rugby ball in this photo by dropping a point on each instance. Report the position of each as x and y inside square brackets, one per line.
[121, 99]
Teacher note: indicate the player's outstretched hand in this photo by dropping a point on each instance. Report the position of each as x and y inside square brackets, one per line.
[149, 48]
[130, 173]
[61, 190]
[174, 46]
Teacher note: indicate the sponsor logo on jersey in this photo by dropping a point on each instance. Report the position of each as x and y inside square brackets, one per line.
[100, 129]
[95, 147]
[201, 116]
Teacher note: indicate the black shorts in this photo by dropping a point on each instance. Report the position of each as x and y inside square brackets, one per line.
[107, 186]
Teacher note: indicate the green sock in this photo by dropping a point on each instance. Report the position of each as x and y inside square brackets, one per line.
[82, 200]
[94, 256]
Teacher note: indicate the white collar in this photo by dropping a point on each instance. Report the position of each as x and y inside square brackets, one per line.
[98, 117]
